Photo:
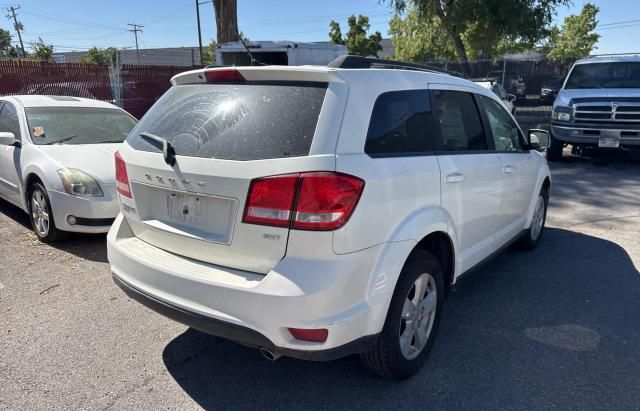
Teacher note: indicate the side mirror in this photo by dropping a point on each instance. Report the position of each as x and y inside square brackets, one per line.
[539, 140]
[512, 98]
[8, 139]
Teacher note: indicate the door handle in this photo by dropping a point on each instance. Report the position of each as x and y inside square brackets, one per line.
[454, 178]
[508, 169]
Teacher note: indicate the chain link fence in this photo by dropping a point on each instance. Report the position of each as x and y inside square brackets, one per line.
[534, 82]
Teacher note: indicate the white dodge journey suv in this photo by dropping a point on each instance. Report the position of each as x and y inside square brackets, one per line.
[317, 212]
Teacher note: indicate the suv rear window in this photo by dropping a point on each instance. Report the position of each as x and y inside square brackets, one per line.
[235, 121]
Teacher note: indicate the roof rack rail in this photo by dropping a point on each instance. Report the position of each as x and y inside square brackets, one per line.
[485, 79]
[359, 62]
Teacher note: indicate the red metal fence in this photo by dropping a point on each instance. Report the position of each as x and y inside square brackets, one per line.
[143, 85]
[134, 88]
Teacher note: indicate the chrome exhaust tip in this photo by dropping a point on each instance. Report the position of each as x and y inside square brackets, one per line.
[268, 354]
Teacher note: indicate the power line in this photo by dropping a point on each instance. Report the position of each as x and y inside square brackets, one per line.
[69, 20]
[618, 22]
[618, 27]
[168, 15]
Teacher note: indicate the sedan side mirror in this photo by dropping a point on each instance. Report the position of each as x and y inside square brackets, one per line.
[8, 139]
[539, 140]
[512, 98]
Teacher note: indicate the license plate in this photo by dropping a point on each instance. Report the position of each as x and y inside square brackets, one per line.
[184, 208]
[609, 139]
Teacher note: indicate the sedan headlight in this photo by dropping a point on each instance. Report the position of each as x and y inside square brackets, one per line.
[562, 113]
[79, 183]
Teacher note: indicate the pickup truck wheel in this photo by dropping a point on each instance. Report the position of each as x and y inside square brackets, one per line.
[412, 320]
[41, 214]
[554, 152]
[533, 234]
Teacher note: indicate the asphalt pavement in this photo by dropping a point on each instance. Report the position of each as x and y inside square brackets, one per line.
[558, 327]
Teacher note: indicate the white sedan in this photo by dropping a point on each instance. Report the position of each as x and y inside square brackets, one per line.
[57, 164]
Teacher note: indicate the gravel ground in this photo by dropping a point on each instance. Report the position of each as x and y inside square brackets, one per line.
[558, 327]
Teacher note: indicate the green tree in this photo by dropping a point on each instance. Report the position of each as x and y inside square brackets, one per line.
[209, 56]
[478, 29]
[100, 56]
[577, 36]
[418, 38]
[6, 48]
[41, 50]
[356, 40]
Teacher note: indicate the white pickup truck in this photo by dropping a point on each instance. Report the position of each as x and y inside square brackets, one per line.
[598, 106]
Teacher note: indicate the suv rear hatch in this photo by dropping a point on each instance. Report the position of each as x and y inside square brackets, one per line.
[224, 136]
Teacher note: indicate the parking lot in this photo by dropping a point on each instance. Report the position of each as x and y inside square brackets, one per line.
[555, 328]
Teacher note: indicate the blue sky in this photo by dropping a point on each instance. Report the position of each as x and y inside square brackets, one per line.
[78, 25]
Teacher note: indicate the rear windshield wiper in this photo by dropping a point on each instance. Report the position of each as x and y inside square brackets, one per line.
[167, 150]
[62, 140]
[110, 141]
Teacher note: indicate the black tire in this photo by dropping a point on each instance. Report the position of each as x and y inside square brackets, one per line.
[531, 238]
[385, 357]
[554, 152]
[52, 233]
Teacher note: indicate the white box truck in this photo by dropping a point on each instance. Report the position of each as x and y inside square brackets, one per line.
[281, 53]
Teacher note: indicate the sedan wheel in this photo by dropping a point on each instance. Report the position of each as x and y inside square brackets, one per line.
[39, 213]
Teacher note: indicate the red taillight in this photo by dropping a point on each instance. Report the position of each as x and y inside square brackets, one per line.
[122, 179]
[325, 201]
[310, 334]
[270, 199]
[307, 201]
[224, 76]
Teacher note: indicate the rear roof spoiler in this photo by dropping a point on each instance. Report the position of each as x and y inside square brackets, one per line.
[359, 62]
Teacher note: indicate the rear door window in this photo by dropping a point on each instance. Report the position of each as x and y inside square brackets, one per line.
[401, 124]
[459, 122]
[235, 121]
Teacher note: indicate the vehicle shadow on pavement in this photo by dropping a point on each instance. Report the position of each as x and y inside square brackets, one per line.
[15, 214]
[90, 247]
[556, 327]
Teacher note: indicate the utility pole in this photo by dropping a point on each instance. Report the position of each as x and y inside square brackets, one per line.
[136, 28]
[198, 4]
[199, 31]
[17, 25]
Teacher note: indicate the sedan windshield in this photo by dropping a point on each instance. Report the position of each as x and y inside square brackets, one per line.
[78, 125]
[604, 75]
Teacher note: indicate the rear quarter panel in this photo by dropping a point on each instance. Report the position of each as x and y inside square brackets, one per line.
[401, 198]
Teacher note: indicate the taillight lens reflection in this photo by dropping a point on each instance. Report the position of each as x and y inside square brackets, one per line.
[122, 178]
[270, 199]
[319, 201]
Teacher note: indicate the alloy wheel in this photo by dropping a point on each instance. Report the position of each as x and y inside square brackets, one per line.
[538, 219]
[40, 213]
[418, 316]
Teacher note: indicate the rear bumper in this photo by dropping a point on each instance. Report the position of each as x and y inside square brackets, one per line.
[590, 133]
[346, 294]
[94, 214]
[237, 333]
